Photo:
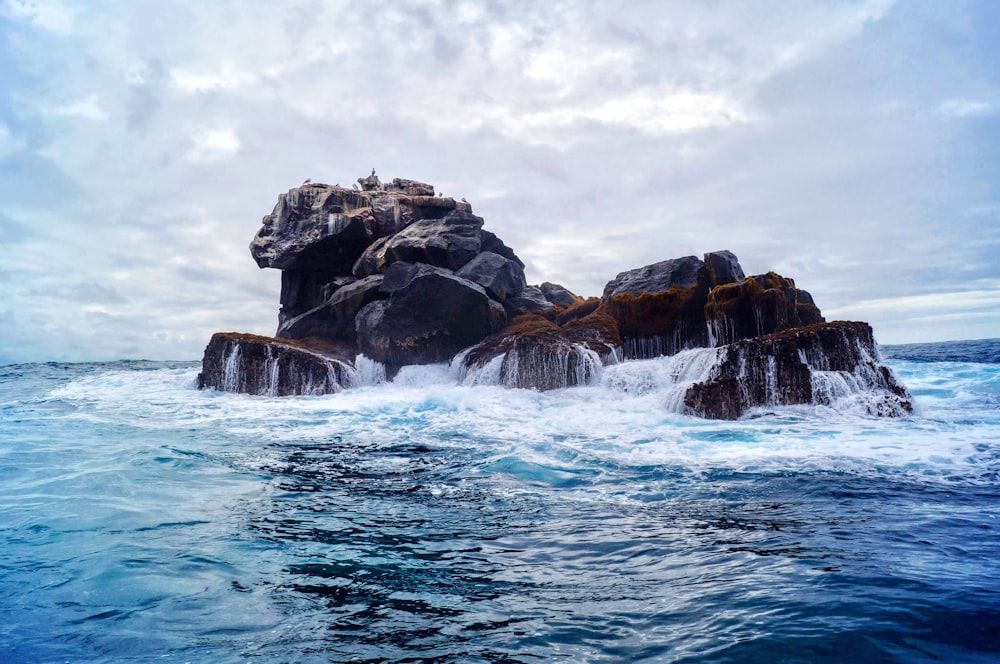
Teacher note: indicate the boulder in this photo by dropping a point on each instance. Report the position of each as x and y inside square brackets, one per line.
[372, 260]
[315, 227]
[430, 315]
[410, 187]
[815, 364]
[673, 274]
[334, 319]
[252, 364]
[755, 306]
[535, 353]
[449, 242]
[531, 300]
[501, 277]
[558, 295]
[723, 267]
[492, 243]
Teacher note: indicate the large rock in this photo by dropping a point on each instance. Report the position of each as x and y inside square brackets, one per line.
[755, 306]
[492, 243]
[501, 277]
[449, 242]
[334, 319]
[723, 267]
[252, 364]
[673, 274]
[430, 315]
[683, 303]
[530, 300]
[558, 295]
[407, 276]
[315, 227]
[659, 308]
[536, 353]
[816, 364]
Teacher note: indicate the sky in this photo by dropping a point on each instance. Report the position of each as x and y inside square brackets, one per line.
[852, 145]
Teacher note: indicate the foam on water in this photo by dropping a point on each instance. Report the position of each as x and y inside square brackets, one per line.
[420, 518]
[630, 417]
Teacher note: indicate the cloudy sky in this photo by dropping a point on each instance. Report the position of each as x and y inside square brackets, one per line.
[851, 145]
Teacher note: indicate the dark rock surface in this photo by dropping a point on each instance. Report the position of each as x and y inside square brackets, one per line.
[406, 276]
[701, 303]
[429, 316]
[799, 366]
[530, 300]
[334, 319]
[758, 305]
[536, 353]
[450, 242]
[501, 277]
[252, 364]
[672, 274]
[558, 295]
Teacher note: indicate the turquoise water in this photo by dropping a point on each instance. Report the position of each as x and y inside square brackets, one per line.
[143, 520]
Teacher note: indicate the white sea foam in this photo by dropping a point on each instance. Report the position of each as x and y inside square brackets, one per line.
[629, 418]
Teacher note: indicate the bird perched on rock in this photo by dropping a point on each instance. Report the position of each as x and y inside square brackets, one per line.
[308, 180]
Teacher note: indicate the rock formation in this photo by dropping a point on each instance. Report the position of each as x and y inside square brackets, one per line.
[394, 274]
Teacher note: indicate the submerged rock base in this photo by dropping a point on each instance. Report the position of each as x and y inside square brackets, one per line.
[816, 364]
[252, 364]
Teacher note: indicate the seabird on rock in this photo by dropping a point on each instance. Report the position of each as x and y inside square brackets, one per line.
[308, 180]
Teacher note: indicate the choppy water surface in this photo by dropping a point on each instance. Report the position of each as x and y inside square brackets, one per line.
[423, 521]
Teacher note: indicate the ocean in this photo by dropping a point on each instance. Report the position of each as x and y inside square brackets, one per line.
[426, 521]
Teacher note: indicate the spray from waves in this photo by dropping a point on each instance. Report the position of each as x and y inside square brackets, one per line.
[627, 418]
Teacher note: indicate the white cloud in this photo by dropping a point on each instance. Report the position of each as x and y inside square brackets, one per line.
[963, 108]
[88, 108]
[213, 144]
[49, 14]
[9, 143]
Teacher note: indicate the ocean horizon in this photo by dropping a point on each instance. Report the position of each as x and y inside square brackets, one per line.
[426, 520]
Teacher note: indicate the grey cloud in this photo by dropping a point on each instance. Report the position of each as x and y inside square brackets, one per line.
[843, 157]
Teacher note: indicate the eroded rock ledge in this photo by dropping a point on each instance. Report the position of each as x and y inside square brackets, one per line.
[396, 275]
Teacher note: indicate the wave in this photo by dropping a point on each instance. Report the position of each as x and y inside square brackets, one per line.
[628, 415]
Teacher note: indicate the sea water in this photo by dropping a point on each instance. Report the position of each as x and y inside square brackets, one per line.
[423, 520]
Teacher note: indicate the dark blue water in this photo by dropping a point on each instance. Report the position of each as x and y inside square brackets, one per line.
[143, 520]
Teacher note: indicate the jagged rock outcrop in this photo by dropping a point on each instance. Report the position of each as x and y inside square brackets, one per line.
[252, 364]
[755, 306]
[688, 302]
[815, 364]
[536, 353]
[501, 277]
[403, 276]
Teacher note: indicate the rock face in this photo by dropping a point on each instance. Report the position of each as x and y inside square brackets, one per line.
[430, 314]
[814, 364]
[403, 276]
[248, 363]
[689, 302]
[536, 353]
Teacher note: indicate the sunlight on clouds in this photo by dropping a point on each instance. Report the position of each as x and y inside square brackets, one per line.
[213, 144]
[932, 304]
[963, 108]
[227, 78]
[48, 14]
[88, 108]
